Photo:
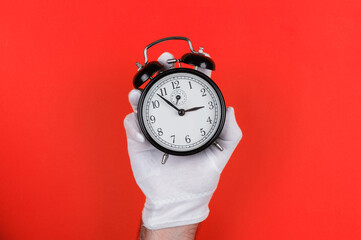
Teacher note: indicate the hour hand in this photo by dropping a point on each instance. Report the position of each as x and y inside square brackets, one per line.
[168, 102]
[193, 109]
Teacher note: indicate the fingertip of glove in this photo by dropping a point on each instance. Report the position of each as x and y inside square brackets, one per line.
[132, 129]
[231, 129]
[230, 110]
[230, 115]
[164, 57]
[134, 96]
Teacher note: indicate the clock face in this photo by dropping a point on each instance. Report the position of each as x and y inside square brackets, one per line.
[181, 111]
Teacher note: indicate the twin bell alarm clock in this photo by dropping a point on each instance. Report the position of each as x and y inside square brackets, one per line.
[181, 111]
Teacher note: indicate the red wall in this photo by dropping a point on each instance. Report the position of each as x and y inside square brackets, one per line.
[291, 69]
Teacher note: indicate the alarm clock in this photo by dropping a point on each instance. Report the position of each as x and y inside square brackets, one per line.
[181, 111]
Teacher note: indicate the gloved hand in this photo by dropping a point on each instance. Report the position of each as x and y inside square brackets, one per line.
[178, 192]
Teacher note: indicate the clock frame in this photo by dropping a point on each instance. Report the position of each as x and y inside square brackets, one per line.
[222, 113]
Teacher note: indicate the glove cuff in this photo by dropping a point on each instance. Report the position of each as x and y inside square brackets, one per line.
[165, 214]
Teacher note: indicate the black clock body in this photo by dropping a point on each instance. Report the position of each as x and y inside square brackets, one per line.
[203, 77]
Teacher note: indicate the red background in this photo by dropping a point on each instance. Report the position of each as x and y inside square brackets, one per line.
[291, 69]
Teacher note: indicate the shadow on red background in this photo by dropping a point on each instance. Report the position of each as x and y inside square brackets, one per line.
[291, 69]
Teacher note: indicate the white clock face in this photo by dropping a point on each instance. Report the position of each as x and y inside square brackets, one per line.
[181, 112]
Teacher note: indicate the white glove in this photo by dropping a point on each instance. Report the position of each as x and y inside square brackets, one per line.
[178, 192]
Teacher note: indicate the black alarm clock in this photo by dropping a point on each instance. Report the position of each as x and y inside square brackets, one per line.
[181, 111]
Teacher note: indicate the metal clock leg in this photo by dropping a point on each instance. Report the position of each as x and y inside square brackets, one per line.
[218, 146]
[165, 158]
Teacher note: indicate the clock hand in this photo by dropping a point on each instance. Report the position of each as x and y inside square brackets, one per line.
[177, 97]
[168, 102]
[193, 109]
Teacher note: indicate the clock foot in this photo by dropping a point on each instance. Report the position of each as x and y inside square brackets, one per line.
[165, 158]
[218, 146]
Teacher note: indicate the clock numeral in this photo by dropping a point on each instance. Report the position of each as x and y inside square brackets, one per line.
[163, 91]
[190, 85]
[203, 90]
[211, 106]
[160, 132]
[152, 119]
[173, 136]
[202, 132]
[209, 120]
[175, 84]
[188, 140]
[156, 104]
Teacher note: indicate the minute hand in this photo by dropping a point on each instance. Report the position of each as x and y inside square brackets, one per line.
[168, 102]
[193, 109]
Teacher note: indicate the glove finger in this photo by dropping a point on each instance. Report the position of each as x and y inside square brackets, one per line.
[228, 139]
[134, 96]
[163, 59]
[204, 70]
[231, 130]
[132, 129]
